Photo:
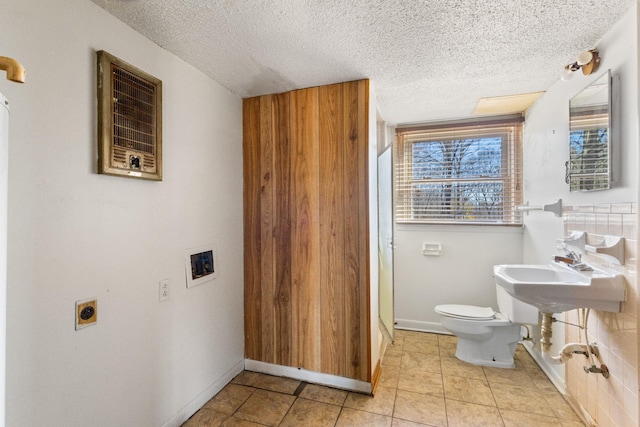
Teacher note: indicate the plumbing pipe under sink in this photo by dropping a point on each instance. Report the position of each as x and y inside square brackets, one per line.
[565, 352]
[568, 350]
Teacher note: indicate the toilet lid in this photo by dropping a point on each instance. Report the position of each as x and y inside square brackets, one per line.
[466, 311]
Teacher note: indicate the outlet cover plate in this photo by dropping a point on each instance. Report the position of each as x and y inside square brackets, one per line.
[86, 313]
[164, 291]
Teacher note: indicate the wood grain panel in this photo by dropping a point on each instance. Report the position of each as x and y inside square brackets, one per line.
[332, 237]
[305, 258]
[364, 295]
[375, 378]
[306, 229]
[251, 211]
[358, 365]
[267, 274]
[282, 229]
[352, 255]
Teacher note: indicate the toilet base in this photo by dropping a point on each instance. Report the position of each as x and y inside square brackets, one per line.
[496, 352]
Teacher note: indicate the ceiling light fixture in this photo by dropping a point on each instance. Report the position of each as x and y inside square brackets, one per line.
[587, 61]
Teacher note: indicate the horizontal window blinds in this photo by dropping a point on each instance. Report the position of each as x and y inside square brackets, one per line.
[589, 148]
[463, 173]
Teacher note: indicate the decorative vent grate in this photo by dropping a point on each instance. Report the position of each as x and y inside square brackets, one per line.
[129, 120]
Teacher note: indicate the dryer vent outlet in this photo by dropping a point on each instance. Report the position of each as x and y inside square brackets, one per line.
[86, 313]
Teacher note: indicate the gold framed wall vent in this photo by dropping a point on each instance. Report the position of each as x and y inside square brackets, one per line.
[129, 120]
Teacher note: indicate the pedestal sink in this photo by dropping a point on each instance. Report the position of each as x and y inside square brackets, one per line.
[556, 287]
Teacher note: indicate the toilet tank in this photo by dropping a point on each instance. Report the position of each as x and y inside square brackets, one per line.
[515, 310]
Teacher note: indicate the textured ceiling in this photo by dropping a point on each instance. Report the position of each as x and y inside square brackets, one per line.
[428, 59]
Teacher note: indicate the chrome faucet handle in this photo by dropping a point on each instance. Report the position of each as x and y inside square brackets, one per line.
[573, 255]
[568, 251]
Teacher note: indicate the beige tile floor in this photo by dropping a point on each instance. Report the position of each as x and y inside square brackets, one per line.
[422, 384]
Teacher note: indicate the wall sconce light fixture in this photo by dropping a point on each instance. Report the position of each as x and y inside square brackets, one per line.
[587, 61]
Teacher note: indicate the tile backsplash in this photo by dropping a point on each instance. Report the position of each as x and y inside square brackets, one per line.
[613, 401]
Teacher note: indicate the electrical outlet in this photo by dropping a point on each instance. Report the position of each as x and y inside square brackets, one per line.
[86, 313]
[164, 290]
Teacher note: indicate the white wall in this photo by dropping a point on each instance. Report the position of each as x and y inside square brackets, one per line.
[546, 148]
[546, 135]
[74, 234]
[462, 274]
[4, 195]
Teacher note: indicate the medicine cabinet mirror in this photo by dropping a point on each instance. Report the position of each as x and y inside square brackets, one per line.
[594, 155]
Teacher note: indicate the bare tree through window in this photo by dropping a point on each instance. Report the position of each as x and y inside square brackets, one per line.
[459, 176]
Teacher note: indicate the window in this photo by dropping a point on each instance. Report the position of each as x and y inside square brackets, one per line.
[459, 173]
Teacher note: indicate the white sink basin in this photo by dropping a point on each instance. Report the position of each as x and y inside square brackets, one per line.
[556, 287]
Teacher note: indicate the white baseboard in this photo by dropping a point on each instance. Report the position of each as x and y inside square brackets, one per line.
[309, 376]
[417, 325]
[559, 383]
[192, 407]
[552, 374]
[546, 367]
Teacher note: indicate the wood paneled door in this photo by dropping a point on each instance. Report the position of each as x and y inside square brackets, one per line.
[306, 229]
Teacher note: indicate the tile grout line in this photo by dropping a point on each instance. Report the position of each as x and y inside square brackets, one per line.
[444, 393]
[493, 396]
[243, 402]
[395, 395]
[300, 388]
[500, 379]
[289, 410]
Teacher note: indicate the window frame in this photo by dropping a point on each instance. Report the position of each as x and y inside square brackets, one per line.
[508, 128]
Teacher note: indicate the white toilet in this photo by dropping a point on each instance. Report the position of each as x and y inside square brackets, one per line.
[485, 337]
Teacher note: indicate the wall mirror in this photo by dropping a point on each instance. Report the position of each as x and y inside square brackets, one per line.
[594, 156]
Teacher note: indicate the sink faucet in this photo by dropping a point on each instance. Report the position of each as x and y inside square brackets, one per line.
[571, 255]
[572, 259]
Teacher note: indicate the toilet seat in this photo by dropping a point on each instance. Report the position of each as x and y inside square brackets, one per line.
[466, 312]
